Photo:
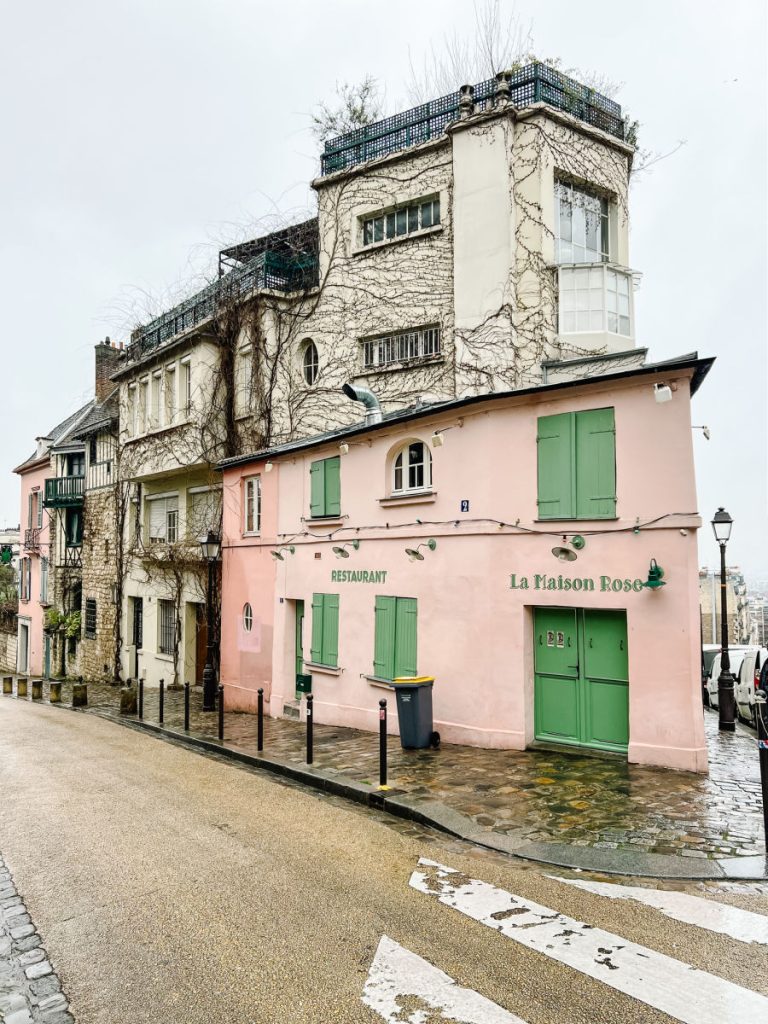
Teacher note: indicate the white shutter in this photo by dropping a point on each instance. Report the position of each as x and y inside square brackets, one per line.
[157, 510]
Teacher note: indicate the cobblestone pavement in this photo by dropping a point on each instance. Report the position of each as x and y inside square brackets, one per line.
[532, 796]
[30, 992]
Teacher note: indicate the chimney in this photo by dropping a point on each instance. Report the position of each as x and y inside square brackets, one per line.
[107, 356]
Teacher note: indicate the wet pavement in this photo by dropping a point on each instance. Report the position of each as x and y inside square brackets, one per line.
[532, 798]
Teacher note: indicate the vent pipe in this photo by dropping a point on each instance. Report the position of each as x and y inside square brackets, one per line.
[373, 412]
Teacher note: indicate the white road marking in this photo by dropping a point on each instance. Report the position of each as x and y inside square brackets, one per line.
[398, 977]
[715, 917]
[675, 988]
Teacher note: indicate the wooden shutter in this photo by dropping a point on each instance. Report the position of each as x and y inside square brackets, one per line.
[333, 486]
[555, 466]
[384, 644]
[316, 650]
[595, 464]
[330, 652]
[29, 511]
[317, 489]
[39, 510]
[405, 637]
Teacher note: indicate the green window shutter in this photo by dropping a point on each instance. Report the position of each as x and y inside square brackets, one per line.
[384, 644]
[316, 650]
[595, 464]
[405, 637]
[333, 487]
[554, 444]
[330, 652]
[317, 489]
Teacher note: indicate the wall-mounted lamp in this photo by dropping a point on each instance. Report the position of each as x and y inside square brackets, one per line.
[705, 431]
[278, 552]
[268, 467]
[655, 576]
[565, 554]
[437, 439]
[663, 392]
[415, 555]
[341, 550]
[344, 448]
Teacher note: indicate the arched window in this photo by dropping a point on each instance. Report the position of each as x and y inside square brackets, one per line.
[412, 468]
[247, 618]
[310, 362]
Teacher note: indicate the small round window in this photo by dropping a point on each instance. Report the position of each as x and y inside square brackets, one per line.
[310, 362]
[247, 618]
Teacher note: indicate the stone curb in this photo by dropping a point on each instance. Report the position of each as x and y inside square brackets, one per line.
[435, 814]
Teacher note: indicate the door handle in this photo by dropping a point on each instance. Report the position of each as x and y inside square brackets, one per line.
[590, 641]
[569, 641]
[621, 645]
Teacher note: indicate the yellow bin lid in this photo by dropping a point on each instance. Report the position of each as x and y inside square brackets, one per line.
[410, 680]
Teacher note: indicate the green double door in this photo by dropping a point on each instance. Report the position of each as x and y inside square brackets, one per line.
[581, 677]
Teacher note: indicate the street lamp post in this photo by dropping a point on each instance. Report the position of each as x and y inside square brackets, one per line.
[726, 698]
[210, 545]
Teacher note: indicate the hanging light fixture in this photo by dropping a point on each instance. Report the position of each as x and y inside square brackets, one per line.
[415, 555]
[341, 550]
[277, 553]
[268, 467]
[655, 576]
[564, 554]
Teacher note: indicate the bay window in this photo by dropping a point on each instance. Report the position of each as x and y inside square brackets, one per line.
[595, 299]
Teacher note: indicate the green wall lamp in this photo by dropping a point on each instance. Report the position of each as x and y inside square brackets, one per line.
[278, 553]
[655, 576]
[341, 550]
[415, 555]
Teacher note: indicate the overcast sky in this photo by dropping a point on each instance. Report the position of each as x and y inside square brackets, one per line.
[138, 135]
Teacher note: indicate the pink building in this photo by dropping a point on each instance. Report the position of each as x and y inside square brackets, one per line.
[503, 544]
[34, 651]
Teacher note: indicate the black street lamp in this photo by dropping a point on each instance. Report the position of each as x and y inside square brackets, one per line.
[210, 545]
[726, 698]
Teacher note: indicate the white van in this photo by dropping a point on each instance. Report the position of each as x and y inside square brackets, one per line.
[736, 656]
[748, 681]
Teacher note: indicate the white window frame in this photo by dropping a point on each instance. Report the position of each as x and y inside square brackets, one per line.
[579, 198]
[170, 395]
[185, 392]
[244, 381]
[247, 617]
[170, 529]
[404, 469]
[155, 399]
[192, 492]
[252, 484]
[598, 278]
[404, 220]
[132, 410]
[43, 579]
[312, 365]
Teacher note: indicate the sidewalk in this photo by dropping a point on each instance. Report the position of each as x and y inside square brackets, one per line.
[560, 808]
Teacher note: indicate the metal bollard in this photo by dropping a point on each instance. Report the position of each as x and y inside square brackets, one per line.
[310, 727]
[383, 744]
[162, 701]
[37, 689]
[221, 714]
[21, 687]
[186, 707]
[761, 714]
[7, 685]
[260, 716]
[141, 698]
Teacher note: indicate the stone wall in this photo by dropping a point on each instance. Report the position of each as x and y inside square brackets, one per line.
[99, 575]
[8, 646]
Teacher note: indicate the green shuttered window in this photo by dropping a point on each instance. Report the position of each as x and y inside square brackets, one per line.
[325, 493]
[395, 642]
[325, 630]
[577, 465]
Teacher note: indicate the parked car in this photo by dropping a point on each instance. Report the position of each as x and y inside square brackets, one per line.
[747, 681]
[736, 656]
[708, 654]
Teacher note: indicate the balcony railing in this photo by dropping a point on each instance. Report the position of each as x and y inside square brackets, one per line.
[99, 474]
[73, 557]
[268, 270]
[535, 83]
[64, 491]
[32, 539]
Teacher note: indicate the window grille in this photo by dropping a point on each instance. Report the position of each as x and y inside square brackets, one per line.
[421, 343]
[402, 220]
[167, 627]
[90, 619]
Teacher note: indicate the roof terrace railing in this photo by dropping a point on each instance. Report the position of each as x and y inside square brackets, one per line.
[535, 83]
[268, 270]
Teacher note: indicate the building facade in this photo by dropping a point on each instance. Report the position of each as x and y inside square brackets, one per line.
[501, 543]
[739, 625]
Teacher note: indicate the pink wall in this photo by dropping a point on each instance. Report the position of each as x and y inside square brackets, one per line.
[32, 612]
[474, 631]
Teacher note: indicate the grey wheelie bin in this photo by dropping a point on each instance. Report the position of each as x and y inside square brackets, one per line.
[414, 712]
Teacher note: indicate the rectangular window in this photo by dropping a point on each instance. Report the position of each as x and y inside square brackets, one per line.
[395, 644]
[252, 505]
[166, 627]
[325, 481]
[325, 630]
[90, 618]
[25, 578]
[400, 221]
[143, 415]
[203, 513]
[577, 465]
[132, 411]
[170, 395]
[44, 580]
[595, 299]
[163, 520]
[406, 346]
[186, 388]
[154, 400]
[73, 527]
[581, 225]
[244, 380]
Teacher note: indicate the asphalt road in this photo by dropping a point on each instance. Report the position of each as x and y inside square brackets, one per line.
[170, 887]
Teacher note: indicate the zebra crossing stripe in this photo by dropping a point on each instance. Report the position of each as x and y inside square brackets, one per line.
[677, 989]
[400, 982]
[715, 917]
